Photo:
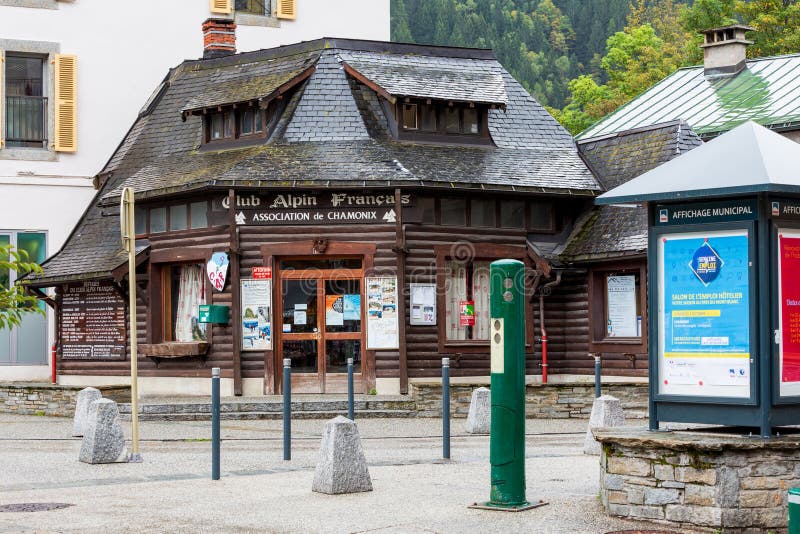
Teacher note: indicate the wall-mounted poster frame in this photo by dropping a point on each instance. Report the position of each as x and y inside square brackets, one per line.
[256, 319]
[705, 298]
[382, 318]
[422, 304]
[787, 312]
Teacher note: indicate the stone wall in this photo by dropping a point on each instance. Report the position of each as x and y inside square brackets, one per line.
[543, 401]
[26, 398]
[691, 479]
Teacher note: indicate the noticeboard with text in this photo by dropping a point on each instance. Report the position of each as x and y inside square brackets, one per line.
[789, 311]
[704, 294]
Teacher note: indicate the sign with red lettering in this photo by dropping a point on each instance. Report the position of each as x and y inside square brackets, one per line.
[217, 269]
[262, 273]
[789, 292]
[466, 314]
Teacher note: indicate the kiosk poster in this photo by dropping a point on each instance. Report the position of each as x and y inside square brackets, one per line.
[382, 320]
[704, 314]
[789, 297]
[256, 313]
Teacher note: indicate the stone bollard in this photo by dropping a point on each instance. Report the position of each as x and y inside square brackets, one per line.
[86, 397]
[479, 420]
[103, 441]
[606, 412]
[342, 467]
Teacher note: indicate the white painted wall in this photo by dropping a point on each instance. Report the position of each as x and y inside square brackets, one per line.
[124, 50]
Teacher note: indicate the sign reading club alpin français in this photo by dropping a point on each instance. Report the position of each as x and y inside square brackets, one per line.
[315, 208]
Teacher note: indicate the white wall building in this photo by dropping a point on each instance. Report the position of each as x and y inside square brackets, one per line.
[73, 77]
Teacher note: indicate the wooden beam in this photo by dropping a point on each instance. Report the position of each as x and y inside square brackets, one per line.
[369, 83]
[236, 298]
[401, 299]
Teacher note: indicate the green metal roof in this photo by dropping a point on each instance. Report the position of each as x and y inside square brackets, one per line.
[767, 92]
[747, 159]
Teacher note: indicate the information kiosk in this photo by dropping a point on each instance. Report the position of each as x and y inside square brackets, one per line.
[724, 281]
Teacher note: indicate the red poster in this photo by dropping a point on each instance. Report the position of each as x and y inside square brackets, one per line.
[790, 308]
[466, 313]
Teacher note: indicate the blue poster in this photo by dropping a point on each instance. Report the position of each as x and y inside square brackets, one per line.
[706, 298]
[352, 307]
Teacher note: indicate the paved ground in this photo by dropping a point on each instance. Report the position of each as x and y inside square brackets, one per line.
[414, 490]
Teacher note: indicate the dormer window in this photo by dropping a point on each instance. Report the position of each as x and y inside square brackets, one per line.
[443, 121]
[239, 123]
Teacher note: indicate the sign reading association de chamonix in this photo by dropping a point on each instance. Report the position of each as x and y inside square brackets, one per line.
[316, 208]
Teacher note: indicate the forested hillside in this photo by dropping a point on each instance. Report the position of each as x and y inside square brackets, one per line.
[544, 43]
[584, 58]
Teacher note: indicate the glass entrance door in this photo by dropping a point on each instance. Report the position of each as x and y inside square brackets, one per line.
[25, 344]
[321, 323]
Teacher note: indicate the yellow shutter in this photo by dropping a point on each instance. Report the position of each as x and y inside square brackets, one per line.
[66, 105]
[286, 9]
[221, 6]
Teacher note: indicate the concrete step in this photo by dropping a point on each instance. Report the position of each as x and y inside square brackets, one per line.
[272, 415]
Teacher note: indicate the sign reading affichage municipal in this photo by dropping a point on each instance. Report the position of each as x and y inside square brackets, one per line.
[704, 313]
[315, 208]
[741, 210]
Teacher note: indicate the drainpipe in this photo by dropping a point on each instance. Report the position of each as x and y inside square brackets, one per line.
[546, 289]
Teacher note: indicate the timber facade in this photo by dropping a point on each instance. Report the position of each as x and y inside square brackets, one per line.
[337, 199]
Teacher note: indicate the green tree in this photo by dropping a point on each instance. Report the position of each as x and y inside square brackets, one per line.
[399, 22]
[776, 23]
[14, 301]
[635, 59]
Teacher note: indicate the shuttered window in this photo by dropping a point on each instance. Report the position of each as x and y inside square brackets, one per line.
[286, 9]
[66, 105]
[221, 6]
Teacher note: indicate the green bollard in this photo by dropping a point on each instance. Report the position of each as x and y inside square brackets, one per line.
[507, 342]
[794, 511]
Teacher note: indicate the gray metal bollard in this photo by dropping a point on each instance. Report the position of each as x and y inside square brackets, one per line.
[287, 409]
[215, 423]
[597, 392]
[446, 408]
[351, 409]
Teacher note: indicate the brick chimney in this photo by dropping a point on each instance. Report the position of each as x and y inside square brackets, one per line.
[219, 38]
[724, 50]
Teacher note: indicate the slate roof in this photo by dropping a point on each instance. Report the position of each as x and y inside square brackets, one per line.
[457, 79]
[612, 231]
[243, 89]
[332, 132]
[767, 92]
[748, 159]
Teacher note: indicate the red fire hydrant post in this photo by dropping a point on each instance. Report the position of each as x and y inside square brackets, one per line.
[53, 353]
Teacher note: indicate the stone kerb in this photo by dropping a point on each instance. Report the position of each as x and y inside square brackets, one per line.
[86, 397]
[479, 419]
[342, 467]
[606, 413]
[692, 480]
[103, 440]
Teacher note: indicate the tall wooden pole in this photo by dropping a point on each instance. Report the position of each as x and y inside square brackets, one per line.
[128, 232]
[400, 248]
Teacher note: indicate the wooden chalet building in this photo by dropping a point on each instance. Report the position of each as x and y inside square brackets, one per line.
[346, 198]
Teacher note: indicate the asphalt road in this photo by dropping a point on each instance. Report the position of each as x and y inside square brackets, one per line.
[415, 491]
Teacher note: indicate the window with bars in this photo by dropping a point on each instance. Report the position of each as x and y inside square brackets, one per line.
[25, 101]
[253, 7]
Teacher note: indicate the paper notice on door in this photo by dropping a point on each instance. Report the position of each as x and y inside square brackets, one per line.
[334, 310]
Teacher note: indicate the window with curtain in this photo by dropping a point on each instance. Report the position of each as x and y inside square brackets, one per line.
[465, 281]
[187, 293]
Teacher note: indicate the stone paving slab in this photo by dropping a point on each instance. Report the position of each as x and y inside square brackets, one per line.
[414, 489]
